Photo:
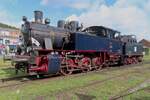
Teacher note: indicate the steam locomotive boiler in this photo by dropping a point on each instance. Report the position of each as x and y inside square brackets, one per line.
[67, 48]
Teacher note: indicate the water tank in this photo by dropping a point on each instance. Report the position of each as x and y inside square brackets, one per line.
[61, 24]
[38, 16]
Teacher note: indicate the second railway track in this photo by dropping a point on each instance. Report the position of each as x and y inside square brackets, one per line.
[20, 80]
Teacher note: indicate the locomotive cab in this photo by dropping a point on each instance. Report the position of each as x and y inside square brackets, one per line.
[103, 32]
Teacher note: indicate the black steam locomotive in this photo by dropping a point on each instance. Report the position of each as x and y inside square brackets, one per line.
[68, 48]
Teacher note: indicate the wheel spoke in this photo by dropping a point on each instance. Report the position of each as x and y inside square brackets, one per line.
[65, 71]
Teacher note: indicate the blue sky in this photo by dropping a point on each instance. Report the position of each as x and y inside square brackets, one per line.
[55, 9]
[127, 16]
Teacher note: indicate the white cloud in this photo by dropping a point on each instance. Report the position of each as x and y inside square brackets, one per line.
[72, 17]
[85, 4]
[127, 16]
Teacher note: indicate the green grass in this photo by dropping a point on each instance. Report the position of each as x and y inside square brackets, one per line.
[147, 58]
[50, 87]
[72, 88]
[112, 87]
[140, 95]
[4, 64]
[7, 70]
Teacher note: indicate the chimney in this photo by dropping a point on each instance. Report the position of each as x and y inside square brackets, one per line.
[38, 16]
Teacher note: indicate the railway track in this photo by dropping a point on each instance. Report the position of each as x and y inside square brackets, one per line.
[144, 85]
[102, 81]
[3, 80]
[20, 80]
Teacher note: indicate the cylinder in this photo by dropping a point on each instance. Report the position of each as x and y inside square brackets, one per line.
[61, 24]
[38, 16]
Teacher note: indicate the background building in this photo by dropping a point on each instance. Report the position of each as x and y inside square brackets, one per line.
[9, 39]
[146, 46]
